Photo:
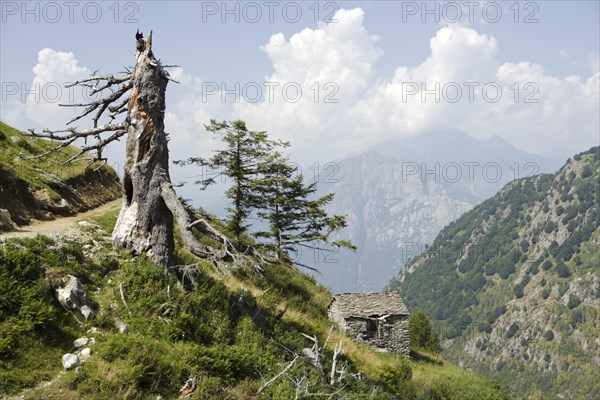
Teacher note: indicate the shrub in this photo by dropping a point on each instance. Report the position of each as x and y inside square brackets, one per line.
[586, 172]
[576, 318]
[397, 380]
[547, 265]
[533, 270]
[518, 290]
[498, 311]
[562, 270]
[549, 335]
[437, 391]
[26, 303]
[512, 329]
[574, 301]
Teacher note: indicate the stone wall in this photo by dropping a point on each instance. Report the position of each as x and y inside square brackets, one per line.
[390, 334]
[336, 315]
[379, 319]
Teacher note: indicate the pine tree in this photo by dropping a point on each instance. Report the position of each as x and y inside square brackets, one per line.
[240, 161]
[295, 220]
[421, 334]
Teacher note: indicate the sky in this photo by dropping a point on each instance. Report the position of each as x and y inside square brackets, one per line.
[333, 78]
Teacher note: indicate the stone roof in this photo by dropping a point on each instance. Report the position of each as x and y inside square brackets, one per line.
[368, 305]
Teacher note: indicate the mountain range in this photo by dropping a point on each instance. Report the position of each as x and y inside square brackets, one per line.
[399, 194]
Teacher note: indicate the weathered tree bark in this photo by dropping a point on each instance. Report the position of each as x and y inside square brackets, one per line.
[145, 223]
[150, 204]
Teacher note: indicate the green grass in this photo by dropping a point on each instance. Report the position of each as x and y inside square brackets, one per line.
[105, 221]
[40, 172]
[12, 143]
[224, 330]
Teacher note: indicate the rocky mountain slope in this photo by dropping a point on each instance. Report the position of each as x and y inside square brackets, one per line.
[43, 189]
[398, 195]
[514, 284]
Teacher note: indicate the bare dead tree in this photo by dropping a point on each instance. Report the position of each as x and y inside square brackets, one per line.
[150, 204]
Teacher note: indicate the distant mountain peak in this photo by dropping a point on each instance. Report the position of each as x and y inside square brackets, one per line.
[398, 194]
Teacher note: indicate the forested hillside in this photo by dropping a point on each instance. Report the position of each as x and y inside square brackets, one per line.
[514, 284]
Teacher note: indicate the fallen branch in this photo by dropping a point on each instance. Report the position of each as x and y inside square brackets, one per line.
[123, 297]
[336, 352]
[279, 375]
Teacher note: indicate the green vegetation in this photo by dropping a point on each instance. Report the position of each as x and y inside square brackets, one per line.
[232, 330]
[31, 187]
[229, 331]
[241, 160]
[266, 185]
[523, 261]
[34, 329]
[420, 333]
[296, 219]
[35, 173]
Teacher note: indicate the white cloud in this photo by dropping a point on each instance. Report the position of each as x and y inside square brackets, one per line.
[519, 101]
[333, 66]
[53, 70]
[458, 57]
[336, 61]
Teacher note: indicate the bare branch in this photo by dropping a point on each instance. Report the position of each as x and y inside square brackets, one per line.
[336, 352]
[328, 336]
[110, 80]
[109, 106]
[187, 271]
[123, 297]
[100, 105]
[98, 146]
[72, 135]
[279, 375]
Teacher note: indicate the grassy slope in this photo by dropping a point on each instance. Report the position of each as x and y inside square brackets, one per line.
[89, 188]
[30, 171]
[224, 330]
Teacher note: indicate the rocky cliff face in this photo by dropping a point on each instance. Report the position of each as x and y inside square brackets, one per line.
[400, 194]
[514, 284]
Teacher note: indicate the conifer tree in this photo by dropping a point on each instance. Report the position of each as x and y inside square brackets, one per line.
[240, 161]
[296, 219]
[420, 332]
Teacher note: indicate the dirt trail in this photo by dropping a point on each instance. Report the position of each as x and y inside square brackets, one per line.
[61, 225]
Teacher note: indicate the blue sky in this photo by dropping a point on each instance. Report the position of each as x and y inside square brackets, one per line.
[369, 61]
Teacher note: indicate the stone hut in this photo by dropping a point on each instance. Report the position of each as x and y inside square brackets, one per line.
[380, 319]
